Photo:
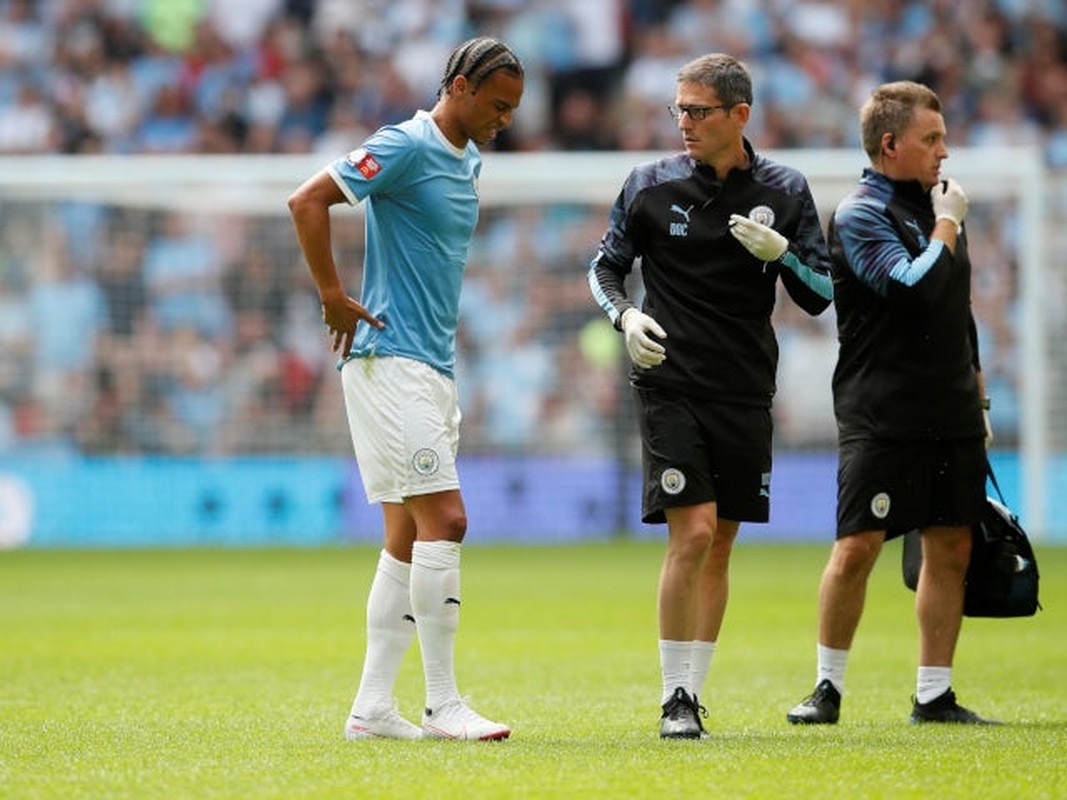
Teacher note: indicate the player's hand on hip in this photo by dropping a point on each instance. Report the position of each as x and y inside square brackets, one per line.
[949, 201]
[763, 242]
[341, 314]
[644, 351]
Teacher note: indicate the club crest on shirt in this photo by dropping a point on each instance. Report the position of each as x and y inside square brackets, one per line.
[672, 480]
[367, 165]
[880, 505]
[764, 215]
[425, 461]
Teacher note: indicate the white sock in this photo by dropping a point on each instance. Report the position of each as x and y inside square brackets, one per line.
[831, 666]
[932, 682]
[435, 600]
[675, 661]
[701, 663]
[390, 628]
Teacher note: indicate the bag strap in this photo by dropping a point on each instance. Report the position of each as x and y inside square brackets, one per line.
[993, 480]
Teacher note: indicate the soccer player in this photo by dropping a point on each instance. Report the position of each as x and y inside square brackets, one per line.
[419, 180]
[716, 227]
[907, 396]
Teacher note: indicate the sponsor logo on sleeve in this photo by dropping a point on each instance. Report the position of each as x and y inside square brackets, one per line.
[367, 165]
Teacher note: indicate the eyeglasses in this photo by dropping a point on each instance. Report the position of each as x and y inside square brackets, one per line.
[696, 113]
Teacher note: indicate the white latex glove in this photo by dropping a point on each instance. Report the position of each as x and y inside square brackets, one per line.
[949, 201]
[643, 350]
[764, 243]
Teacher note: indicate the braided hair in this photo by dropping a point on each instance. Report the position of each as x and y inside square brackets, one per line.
[476, 59]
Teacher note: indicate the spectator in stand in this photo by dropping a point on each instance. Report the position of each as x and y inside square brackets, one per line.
[183, 273]
[170, 127]
[67, 314]
[27, 125]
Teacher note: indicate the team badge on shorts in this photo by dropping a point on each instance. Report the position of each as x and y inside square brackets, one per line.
[764, 215]
[672, 480]
[425, 461]
[880, 505]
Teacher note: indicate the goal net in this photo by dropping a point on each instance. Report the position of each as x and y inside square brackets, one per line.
[159, 306]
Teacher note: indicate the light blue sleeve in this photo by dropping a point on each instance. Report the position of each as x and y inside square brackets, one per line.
[376, 166]
[875, 251]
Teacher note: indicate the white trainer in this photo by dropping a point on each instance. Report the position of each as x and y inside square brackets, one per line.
[454, 719]
[384, 724]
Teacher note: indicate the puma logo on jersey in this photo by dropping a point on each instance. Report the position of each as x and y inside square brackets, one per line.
[680, 228]
[677, 209]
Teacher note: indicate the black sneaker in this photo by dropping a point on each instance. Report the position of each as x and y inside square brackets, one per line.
[822, 707]
[944, 708]
[681, 717]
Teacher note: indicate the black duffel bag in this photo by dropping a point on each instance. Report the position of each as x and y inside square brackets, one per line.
[1002, 578]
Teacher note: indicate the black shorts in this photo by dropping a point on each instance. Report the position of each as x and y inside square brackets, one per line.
[701, 452]
[899, 486]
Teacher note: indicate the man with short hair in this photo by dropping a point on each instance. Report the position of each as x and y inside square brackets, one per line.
[716, 228]
[908, 396]
[419, 180]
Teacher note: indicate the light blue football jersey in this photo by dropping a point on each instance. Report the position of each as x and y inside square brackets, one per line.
[421, 212]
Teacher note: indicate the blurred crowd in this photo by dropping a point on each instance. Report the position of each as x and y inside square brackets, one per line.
[264, 76]
[156, 331]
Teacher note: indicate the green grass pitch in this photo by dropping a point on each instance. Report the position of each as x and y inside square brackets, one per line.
[228, 674]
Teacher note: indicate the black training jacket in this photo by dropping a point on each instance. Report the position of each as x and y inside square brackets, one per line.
[712, 297]
[908, 342]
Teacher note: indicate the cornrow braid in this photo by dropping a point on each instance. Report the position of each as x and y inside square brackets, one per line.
[476, 59]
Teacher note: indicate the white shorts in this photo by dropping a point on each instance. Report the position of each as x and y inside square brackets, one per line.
[404, 418]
